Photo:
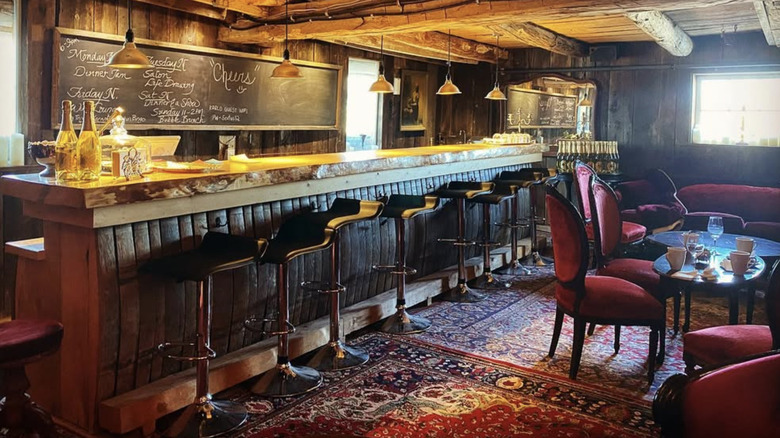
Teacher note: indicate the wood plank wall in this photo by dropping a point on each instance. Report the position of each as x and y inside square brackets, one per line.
[141, 311]
[648, 111]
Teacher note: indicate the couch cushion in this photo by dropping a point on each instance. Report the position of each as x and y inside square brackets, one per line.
[767, 230]
[749, 202]
[611, 298]
[717, 345]
[631, 232]
[634, 193]
[639, 272]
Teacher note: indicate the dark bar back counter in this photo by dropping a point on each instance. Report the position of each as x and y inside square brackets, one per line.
[84, 270]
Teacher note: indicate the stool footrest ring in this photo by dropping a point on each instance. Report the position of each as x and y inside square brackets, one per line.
[490, 244]
[458, 242]
[251, 325]
[511, 225]
[391, 269]
[210, 354]
[323, 287]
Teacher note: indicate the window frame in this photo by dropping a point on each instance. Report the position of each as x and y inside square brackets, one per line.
[379, 103]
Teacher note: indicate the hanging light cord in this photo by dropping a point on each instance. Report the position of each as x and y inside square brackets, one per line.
[381, 55]
[449, 48]
[129, 37]
[497, 49]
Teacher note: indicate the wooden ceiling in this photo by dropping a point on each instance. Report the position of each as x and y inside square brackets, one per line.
[419, 28]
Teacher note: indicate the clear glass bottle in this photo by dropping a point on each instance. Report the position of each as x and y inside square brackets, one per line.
[66, 159]
[88, 146]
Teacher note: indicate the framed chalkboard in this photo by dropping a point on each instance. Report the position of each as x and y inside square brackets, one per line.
[536, 109]
[191, 87]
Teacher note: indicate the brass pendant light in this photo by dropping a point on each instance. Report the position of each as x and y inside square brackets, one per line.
[381, 85]
[286, 69]
[496, 93]
[129, 56]
[448, 88]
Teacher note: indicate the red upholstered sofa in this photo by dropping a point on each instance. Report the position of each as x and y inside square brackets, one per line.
[754, 211]
[651, 201]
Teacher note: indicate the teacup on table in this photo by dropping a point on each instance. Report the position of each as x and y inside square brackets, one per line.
[740, 260]
[745, 244]
[675, 255]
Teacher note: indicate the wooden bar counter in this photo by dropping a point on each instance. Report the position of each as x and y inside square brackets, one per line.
[96, 235]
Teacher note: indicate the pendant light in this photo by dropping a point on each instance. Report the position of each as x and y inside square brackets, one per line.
[381, 85]
[286, 69]
[448, 87]
[496, 93]
[129, 56]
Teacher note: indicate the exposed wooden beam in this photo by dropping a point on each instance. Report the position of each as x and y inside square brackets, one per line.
[537, 36]
[190, 7]
[436, 15]
[432, 45]
[664, 31]
[217, 9]
[769, 17]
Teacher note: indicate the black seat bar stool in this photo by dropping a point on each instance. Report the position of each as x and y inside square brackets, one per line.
[336, 355]
[218, 252]
[297, 236]
[502, 192]
[531, 178]
[460, 191]
[402, 208]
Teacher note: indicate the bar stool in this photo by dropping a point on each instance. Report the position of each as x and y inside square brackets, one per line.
[460, 191]
[24, 341]
[337, 355]
[218, 252]
[402, 208]
[297, 236]
[531, 178]
[500, 193]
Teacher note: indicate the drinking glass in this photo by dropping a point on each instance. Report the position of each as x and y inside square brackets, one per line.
[715, 228]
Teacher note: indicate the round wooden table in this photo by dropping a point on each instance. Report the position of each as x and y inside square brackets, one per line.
[725, 281]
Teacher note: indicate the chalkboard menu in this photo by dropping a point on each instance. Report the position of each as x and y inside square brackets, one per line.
[191, 88]
[534, 109]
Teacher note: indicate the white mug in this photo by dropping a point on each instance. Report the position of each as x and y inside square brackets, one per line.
[739, 262]
[675, 255]
[745, 244]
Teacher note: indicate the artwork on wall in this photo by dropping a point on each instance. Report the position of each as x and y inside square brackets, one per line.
[414, 92]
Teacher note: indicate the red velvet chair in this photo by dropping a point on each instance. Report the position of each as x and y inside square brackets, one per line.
[652, 202]
[595, 299]
[738, 400]
[606, 225]
[720, 344]
[631, 232]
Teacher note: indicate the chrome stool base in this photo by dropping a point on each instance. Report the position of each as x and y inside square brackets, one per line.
[208, 419]
[489, 282]
[463, 294]
[536, 259]
[514, 268]
[287, 381]
[402, 323]
[338, 356]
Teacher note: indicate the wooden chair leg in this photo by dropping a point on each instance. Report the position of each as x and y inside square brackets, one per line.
[751, 299]
[579, 341]
[591, 329]
[556, 332]
[677, 299]
[654, 331]
[617, 339]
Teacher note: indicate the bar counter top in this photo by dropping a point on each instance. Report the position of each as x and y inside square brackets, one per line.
[318, 173]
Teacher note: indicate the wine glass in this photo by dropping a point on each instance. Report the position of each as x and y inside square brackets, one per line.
[696, 249]
[715, 228]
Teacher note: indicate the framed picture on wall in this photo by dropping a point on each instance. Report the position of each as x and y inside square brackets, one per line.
[414, 105]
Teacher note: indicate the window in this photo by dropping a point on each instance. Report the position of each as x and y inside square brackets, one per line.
[8, 72]
[363, 112]
[737, 109]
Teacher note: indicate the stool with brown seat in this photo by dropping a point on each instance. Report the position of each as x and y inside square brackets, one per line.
[461, 191]
[218, 252]
[402, 208]
[336, 355]
[24, 341]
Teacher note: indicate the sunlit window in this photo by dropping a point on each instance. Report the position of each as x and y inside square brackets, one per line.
[363, 129]
[8, 72]
[737, 109]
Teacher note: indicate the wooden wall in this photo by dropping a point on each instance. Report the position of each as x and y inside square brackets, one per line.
[446, 115]
[648, 111]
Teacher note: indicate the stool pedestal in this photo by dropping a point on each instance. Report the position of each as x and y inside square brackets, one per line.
[18, 414]
[462, 293]
[487, 280]
[514, 267]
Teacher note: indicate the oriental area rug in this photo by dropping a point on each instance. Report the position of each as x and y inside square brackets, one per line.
[482, 370]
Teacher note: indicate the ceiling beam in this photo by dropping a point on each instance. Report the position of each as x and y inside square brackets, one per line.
[190, 7]
[431, 45]
[311, 23]
[537, 36]
[769, 17]
[664, 31]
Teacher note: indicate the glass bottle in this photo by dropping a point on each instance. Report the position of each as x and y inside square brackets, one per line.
[88, 146]
[66, 159]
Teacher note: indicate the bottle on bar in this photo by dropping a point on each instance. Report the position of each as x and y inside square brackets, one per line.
[617, 157]
[560, 163]
[590, 154]
[600, 157]
[88, 146]
[66, 159]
